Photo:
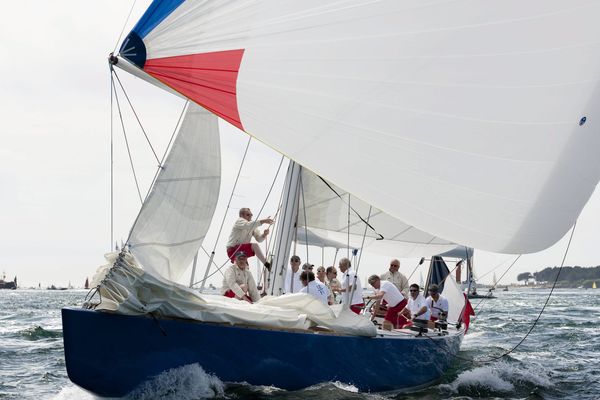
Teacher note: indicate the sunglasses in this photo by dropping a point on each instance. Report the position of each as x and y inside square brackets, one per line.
[413, 290]
[394, 265]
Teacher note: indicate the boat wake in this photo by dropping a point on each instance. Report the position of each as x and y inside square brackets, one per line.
[189, 382]
[185, 383]
[496, 379]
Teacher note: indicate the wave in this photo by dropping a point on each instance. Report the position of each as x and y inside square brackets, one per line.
[497, 379]
[73, 392]
[39, 333]
[183, 383]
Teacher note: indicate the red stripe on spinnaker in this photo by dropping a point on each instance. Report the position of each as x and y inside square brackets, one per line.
[208, 79]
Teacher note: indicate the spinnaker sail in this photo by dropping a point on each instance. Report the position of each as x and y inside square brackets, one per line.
[450, 116]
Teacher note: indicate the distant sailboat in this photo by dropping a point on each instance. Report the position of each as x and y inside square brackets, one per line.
[87, 284]
[594, 285]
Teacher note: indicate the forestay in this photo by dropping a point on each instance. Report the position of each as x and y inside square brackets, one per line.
[176, 215]
[474, 121]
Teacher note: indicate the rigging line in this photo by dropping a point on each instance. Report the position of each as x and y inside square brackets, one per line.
[494, 286]
[124, 25]
[493, 269]
[137, 118]
[271, 246]
[157, 172]
[547, 299]
[269, 195]
[415, 270]
[360, 256]
[348, 239]
[355, 212]
[225, 216]
[264, 203]
[232, 192]
[280, 203]
[137, 185]
[166, 152]
[541, 311]
[219, 268]
[112, 167]
[304, 212]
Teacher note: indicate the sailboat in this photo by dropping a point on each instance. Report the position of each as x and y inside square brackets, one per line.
[434, 122]
[594, 285]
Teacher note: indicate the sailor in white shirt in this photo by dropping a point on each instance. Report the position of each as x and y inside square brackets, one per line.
[349, 282]
[238, 282]
[417, 305]
[313, 287]
[241, 234]
[292, 282]
[437, 303]
[394, 300]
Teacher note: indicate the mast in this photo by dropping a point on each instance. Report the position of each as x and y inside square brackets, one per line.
[285, 229]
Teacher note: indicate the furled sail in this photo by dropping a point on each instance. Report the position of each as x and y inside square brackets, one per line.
[177, 213]
[326, 208]
[474, 121]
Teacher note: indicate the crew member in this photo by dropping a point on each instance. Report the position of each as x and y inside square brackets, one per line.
[243, 230]
[238, 282]
[395, 300]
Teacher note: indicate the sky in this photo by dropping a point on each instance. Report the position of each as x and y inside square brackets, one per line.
[55, 154]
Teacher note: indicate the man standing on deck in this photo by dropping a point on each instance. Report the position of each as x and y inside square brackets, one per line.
[351, 287]
[394, 299]
[241, 234]
[238, 282]
[292, 283]
[396, 277]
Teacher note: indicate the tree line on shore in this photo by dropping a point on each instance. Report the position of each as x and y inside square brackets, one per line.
[569, 276]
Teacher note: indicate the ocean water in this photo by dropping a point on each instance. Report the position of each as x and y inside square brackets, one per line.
[560, 358]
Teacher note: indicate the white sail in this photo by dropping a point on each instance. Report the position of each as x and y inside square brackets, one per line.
[325, 210]
[474, 121]
[308, 237]
[177, 213]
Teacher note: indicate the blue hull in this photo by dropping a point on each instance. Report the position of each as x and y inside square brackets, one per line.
[111, 354]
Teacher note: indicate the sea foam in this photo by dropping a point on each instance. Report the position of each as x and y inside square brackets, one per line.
[499, 377]
[187, 382]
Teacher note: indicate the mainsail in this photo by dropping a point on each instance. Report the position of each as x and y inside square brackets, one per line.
[177, 213]
[450, 116]
[330, 212]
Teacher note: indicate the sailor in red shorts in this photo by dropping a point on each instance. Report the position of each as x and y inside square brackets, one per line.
[395, 300]
[238, 282]
[241, 234]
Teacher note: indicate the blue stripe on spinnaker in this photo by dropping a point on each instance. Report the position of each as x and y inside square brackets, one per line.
[154, 15]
